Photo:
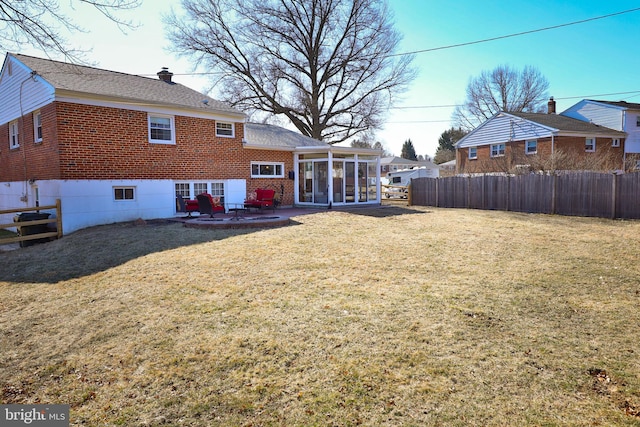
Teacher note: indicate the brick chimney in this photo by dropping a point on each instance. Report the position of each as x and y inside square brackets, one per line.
[165, 75]
[551, 106]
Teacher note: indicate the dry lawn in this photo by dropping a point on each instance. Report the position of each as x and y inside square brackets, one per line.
[392, 316]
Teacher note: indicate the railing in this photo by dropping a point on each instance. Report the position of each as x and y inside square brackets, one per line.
[22, 238]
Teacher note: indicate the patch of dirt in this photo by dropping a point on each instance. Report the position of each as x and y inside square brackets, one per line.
[605, 386]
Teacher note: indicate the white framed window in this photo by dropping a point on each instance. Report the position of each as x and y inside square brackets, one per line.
[124, 193]
[497, 150]
[531, 146]
[615, 142]
[638, 121]
[590, 145]
[267, 170]
[189, 190]
[225, 129]
[473, 152]
[161, 129]
[37, 126]
[14, 136]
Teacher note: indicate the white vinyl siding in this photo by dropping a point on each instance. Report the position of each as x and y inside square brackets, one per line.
[606, 115]
[504, 127]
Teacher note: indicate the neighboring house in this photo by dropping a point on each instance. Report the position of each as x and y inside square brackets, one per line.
[392, 164]
[619, 115]
[528, 141]
[448, 168]
[117, 147]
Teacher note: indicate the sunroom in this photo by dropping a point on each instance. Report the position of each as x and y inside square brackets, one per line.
[331, 175]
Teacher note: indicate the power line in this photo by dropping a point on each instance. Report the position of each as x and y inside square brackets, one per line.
[556, 98]
[553, 27]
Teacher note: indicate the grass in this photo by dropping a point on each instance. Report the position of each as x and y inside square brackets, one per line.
[391, 316]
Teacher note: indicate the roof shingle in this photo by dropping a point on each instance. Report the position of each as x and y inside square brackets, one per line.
[112, 84]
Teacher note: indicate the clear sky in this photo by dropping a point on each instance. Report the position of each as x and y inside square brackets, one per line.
[580, 61]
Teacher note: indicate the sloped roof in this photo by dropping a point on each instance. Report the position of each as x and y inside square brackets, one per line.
[92, 81]
[568, 124]
[264, 135]
[395, 160]
[623, 104]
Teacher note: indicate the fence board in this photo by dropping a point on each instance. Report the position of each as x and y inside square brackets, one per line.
[577, 194]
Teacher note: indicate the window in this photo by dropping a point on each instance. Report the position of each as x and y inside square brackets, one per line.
[224, 129]
[590, 145]
[37, 127]
[14, 141]
[123, 193]
[473, 152]
[161, 129]
[189, 190]
[531, 146]
[267, 170]
[497, 150]
[638, 121]
[199, 188]
[615, 142]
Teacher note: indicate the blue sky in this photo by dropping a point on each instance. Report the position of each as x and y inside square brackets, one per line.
[583, 60]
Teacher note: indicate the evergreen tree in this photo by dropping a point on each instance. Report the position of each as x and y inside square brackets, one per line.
[408, 151]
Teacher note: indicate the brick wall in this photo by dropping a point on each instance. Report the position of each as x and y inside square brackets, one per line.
[573, 147]
[92, 142]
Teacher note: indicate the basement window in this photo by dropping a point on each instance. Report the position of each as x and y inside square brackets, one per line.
[124, 193]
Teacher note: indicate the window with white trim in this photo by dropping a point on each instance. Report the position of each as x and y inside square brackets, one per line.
[224, 129]
[473, 152]
[267, 170]
[161, 129]
[497, 150]
[37, 126]
[590, 145]
[615, 142]
[14, 137]
[189, 190]
[124, 193]
[531, 146]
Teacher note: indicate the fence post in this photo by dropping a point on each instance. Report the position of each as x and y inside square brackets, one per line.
[614, 190]
[553, 193]
[59, 218]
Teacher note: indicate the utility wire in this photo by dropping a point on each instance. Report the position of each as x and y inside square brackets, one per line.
[553, 27]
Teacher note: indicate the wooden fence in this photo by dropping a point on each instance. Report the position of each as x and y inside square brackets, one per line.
[574, 194]
[23, 237]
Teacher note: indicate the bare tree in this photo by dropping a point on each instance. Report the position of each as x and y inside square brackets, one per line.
[502, 89]
[41, 23]
[326, 65]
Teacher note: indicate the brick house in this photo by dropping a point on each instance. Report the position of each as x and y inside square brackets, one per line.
[117, 147]
[512, 142]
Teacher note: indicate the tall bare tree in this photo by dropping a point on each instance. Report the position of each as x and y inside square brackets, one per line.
[41, 23]
[502, 89]
[326, 65]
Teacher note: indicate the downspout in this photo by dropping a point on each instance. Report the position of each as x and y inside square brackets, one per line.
[23, 146]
